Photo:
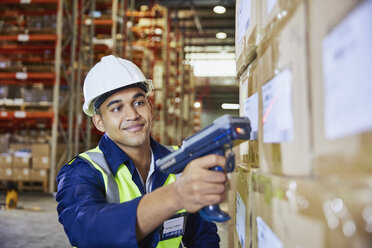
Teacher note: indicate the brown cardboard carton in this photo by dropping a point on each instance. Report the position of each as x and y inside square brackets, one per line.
[246, 23]
[273, 14]
[341, 62]
[6, 173]
[40, 149]
[249, 104]
[19, 147]
[231, 199]
[21, 174]
[40, 162]
[38, 175]
[243, 204]
[284, 126]
[6, 160]
[308, 212]
[22, 161]
[243, 95]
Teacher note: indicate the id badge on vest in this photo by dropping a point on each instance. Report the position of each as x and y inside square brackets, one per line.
[173, 227]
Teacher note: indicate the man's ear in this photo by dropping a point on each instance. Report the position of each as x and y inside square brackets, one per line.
[98, 122]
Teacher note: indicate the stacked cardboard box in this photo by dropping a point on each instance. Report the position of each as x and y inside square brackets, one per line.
[25, 163]
[307, 94]
[40, 162]
[307, 212]
[21, 161]
[6, 166]
[341, 62]
[247, 23]
[284, 132]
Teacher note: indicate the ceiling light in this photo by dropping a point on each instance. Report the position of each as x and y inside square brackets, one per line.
[230, 106]
[219, 9]
[221, 35]
[197, 105]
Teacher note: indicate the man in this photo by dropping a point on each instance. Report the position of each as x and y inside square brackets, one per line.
[114, 195]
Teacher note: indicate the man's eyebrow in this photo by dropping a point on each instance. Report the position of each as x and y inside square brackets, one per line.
[112, 102]
[138, 95]
[116, 101]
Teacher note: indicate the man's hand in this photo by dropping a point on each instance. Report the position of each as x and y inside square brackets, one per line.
[198, 186]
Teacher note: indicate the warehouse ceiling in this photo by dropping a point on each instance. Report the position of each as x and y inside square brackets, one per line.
[199, 25]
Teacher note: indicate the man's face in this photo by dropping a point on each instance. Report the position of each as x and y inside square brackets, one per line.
[126, 117]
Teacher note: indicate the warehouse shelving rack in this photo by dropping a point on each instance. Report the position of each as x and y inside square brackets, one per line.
[177, 89]
[26, 46]
[78, 39]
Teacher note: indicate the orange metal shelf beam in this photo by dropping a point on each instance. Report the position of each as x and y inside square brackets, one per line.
[26, 47]
[20, 82]
[32, 37]
[28, 75]
[148, 14]
[12, 115]
[32, 59]
[102, 22]
[28, 1]
[12, 13]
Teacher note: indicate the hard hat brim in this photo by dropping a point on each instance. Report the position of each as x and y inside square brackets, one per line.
[89, 107]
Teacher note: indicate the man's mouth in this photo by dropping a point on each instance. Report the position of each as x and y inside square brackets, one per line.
[134, 127]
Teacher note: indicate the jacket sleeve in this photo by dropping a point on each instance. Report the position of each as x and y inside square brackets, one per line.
[200, 233]
[88, 220]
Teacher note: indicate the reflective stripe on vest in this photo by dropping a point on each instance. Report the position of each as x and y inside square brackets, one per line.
[121, 188]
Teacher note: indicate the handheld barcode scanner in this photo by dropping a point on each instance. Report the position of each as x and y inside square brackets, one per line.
[222, 135]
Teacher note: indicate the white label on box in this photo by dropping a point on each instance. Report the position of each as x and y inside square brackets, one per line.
[266, 238]
[270, 5]
[240, 219]
[26, 171]
[8, 172]
[251, 111]
[347, 68]
[25, 160]
[244, 18]
[42, 173]
[4, 114]
[21, 75]
[23, 37]
[277, 109]
[25, 1]
[44, 160]
[20, 114]
[8, 159]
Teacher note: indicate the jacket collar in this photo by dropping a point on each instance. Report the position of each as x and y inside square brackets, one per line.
[115, 157]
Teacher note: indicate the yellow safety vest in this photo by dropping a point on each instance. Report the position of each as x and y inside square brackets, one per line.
[121, 188]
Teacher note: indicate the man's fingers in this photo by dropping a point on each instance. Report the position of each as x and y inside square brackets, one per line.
[209, 188]
[210, 161]
[211, 176]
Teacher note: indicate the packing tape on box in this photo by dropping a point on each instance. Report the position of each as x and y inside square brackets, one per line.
[341, 207]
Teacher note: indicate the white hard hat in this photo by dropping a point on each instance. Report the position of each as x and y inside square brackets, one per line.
[109, 74]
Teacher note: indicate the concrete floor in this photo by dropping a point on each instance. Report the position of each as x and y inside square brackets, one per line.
[35, 225]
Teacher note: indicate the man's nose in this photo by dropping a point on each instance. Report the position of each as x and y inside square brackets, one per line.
[131, 113]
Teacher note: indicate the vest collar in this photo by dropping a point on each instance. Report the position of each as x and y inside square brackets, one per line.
[115, 157]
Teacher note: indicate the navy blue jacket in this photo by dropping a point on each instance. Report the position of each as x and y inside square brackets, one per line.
[89, 221]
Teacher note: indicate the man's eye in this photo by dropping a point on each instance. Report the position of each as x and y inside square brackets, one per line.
[139, 103]
[116, 109]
